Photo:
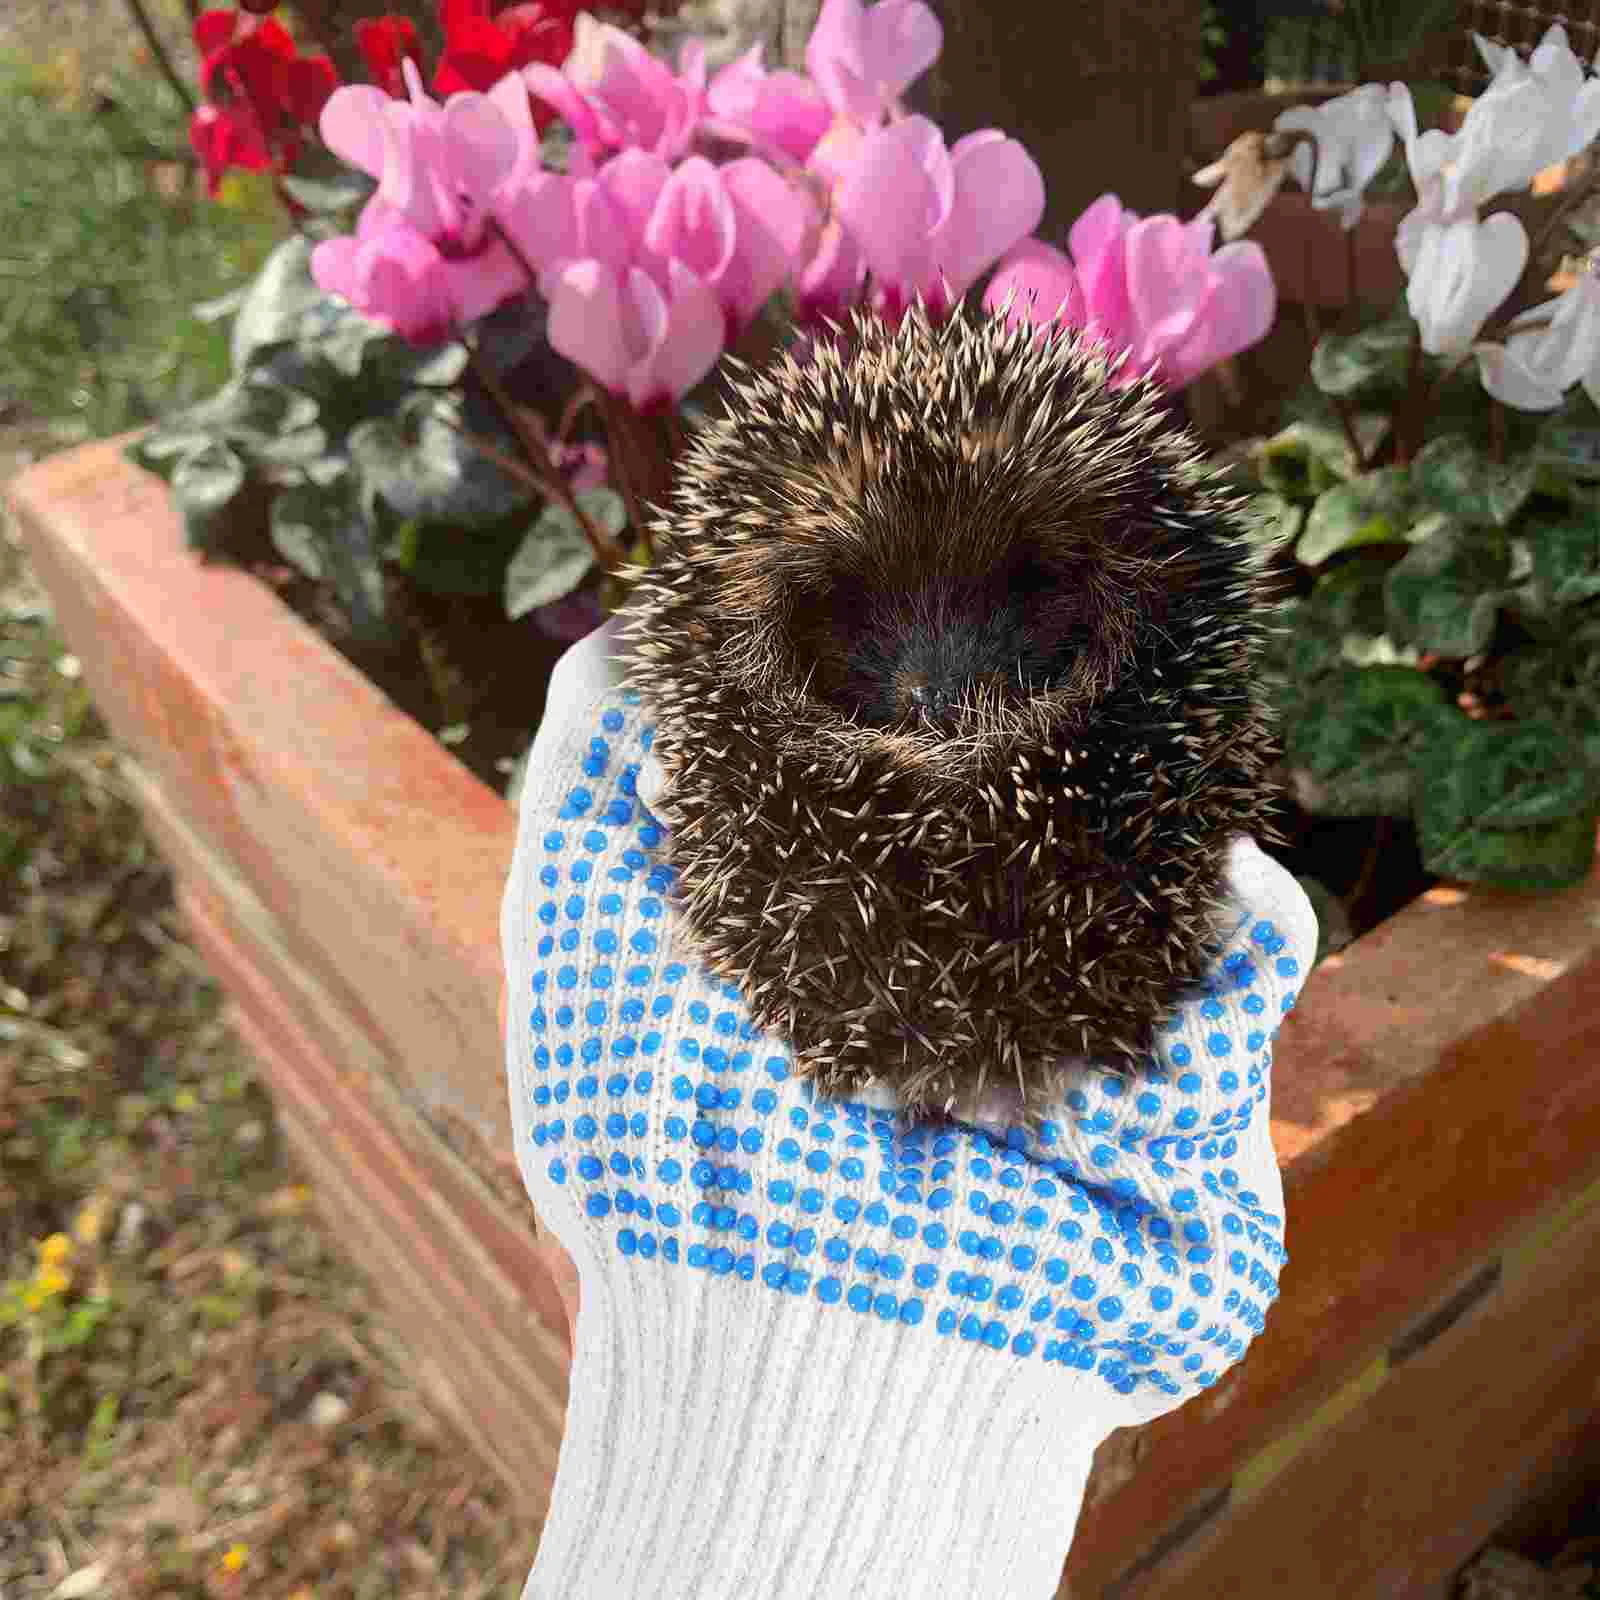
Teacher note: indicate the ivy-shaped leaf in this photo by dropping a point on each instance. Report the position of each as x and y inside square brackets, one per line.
[283, 291]
[1570, 447]
[204, 484]
[1357, 736]
[434, 475]
[1274, 520]
[323, 533]
[1558, 681]
[1372, 509]
[1566, 558]
[1453, 474]
[1445, 594]
[555, 557]
[249, 412]
[1343, 363]
[1303, 460]
[1506, 803]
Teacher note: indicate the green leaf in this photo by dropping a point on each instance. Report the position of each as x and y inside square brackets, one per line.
[435, 476]
[1274, 520]
[1356, 737]
[1351, 595]
[340, 191]
[1302, 460]
[1566, 558]
[249, 411]
[1509, 804]
[204, 484]
[323, 533]
[556, 557]
[281, 295]
[1372, 509]
[1344, 363]
[1558, 681]
[1463, 482]
[1445, 594]
[224, 305]
[1571, 447]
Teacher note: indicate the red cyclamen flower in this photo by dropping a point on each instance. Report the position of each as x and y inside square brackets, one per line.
[263, 92]
[384, 43]
[480, 48]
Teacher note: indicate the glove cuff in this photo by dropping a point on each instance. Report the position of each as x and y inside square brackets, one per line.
[778, 1447]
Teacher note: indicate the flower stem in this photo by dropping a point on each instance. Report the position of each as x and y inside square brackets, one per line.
[1412, 413]
[529, 435]
[142, 21]
[644, 474]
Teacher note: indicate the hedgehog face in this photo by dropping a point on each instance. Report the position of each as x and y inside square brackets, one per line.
[951, 650]
[932, 654]
[928, 648]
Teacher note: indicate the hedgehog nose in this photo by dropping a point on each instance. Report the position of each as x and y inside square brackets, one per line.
[933, 699]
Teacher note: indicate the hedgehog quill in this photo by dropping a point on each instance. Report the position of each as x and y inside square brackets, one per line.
[952, 647]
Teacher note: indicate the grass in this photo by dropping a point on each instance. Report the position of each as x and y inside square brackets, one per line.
[195, 1396]
[104, 254]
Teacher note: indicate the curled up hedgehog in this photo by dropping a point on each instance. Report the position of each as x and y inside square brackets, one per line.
[952, 648]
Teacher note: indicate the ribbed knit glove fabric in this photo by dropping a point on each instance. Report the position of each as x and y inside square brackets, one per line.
[821, 1352]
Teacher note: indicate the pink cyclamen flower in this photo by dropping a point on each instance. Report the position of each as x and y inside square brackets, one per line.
[615, 95]
[659, 266]
[393, 274]
[1151, 287]
[440, 170]
[929, 220]
[1035, 283]
[779, 110]
[740, 227]
[862, 58]
[633, 336]
[830, 283]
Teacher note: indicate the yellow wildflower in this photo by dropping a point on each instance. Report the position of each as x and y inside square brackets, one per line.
[185, 1100]
[91, 1218]
[52, 1281]
[33, 1297]
[54, 1250]
[235, 1558]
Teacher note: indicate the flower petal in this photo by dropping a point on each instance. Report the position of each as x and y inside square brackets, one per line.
[891, 200]
[1035, 283]
[352, 126]
[1240, 306]
[585, 322]
[693, 220]
[999, 199]
[777, 222]
[1509, 381]
[685, 328]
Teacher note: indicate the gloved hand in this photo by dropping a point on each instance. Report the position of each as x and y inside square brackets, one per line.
[819, 1352]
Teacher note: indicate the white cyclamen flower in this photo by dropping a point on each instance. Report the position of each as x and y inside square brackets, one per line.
[1354, 137]
[1530, 117]
[1461, 272]
[1535, 367]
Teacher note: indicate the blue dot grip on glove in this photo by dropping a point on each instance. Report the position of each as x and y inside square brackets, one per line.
[820, 1351]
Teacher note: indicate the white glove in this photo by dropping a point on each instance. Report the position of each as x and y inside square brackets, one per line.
[819, 1352]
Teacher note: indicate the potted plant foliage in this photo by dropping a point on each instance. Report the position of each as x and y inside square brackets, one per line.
[516, 266]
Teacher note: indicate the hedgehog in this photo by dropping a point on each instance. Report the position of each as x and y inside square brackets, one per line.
[951, 646]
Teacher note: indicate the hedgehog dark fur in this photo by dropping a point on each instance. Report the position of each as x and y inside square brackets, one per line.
[952, 651]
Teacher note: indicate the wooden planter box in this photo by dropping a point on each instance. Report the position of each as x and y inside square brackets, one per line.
[1433, 1356]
